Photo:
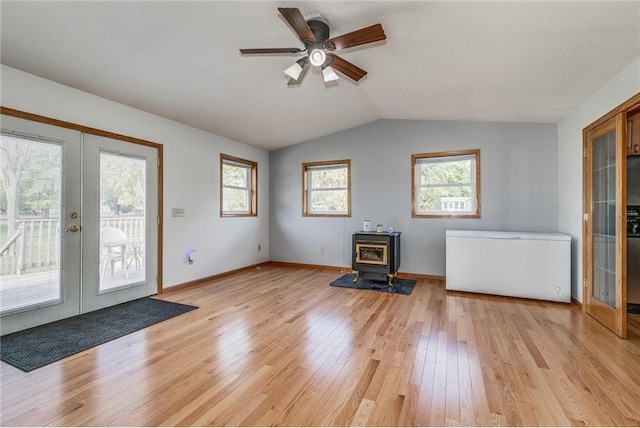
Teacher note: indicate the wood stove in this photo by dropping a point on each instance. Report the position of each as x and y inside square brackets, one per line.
[375, 253]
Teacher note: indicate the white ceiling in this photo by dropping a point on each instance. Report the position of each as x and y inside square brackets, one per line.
[502, 61]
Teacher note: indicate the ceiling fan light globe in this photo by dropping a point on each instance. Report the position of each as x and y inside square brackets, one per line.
[317, 57]
[329, 74]
[293, 71]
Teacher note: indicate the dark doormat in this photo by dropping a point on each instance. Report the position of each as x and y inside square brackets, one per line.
[400, 285]
[38, 346]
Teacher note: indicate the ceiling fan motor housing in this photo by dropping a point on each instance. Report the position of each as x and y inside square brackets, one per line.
[319, 29]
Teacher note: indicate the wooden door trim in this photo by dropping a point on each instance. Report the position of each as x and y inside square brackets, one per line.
[632, 103]
[621, 224]
[94, 131]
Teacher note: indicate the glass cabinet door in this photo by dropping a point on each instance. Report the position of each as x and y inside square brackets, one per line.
[605, 267]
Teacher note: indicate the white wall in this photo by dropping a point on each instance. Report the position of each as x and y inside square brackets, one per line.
[620, 88]
[519, 164]
[191, 175]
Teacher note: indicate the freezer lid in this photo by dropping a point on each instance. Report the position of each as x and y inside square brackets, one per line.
[496, 234]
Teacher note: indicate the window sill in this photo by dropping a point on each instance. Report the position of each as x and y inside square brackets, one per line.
[414, 215]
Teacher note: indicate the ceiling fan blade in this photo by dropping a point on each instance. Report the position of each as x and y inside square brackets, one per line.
[297, 22]
[295, 82]
[345, 67]
[371, 34]
[270, 50]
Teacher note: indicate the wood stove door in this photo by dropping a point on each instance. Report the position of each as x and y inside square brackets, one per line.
[371, 254]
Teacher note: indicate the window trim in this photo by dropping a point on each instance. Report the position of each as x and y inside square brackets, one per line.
[252, 188]
[415, 158]
[306, 166]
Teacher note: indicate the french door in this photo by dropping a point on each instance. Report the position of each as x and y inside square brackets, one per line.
[605, 270]
[78, 223]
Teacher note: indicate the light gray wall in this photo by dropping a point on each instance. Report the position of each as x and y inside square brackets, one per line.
[528, 181]
[519, 186]
[191, 175]
[620, 88]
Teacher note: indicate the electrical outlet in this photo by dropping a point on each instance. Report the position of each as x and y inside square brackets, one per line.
[322, 249]
[177, 212]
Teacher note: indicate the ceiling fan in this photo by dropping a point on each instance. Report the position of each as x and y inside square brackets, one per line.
[314, 34]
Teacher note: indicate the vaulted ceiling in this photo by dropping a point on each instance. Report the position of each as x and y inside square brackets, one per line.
[487, 61]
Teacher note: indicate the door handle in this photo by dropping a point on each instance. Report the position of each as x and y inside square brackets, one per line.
[72, 228]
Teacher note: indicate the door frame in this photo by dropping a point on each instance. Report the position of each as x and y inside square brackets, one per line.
[88, 130]
[614, 319]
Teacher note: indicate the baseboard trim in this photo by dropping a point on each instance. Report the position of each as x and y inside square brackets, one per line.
[307, 266]
[421, 276]
[576, 302]
[348, 269]
[195, 282]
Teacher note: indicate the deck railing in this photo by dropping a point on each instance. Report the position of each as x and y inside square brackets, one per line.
[35, 244]
[10, 254]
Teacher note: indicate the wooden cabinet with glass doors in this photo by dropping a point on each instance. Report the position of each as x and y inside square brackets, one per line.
[607, 142]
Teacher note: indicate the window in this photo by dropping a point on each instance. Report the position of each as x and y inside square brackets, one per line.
[326, 188]
[446, 184]
[238, 187]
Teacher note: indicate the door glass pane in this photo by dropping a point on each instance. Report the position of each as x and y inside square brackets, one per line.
[604, 219]
[30, 172]
[122, 226]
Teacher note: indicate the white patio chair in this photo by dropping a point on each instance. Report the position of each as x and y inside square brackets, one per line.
[112, 251]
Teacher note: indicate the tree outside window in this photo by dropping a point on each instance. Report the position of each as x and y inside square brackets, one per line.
[122, 184]
[446, 184]
[327, 188]
[238, 187]
[30, 178]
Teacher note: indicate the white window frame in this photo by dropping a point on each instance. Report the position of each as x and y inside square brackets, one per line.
[307, 187]
[417, 160]
[251, 188]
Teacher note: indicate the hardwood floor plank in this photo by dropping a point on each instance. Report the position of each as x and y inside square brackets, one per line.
[363, 414]
[279, 346]
[350, 406]
[425, 397]
[409, 406]
[184, 408]
[218, 410]
[410, 350]
[323, 377]
[466, 399]
[437, 413]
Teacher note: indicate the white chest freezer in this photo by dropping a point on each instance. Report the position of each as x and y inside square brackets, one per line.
[518, 264]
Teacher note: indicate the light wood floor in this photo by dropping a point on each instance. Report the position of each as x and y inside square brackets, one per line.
[278, 346]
